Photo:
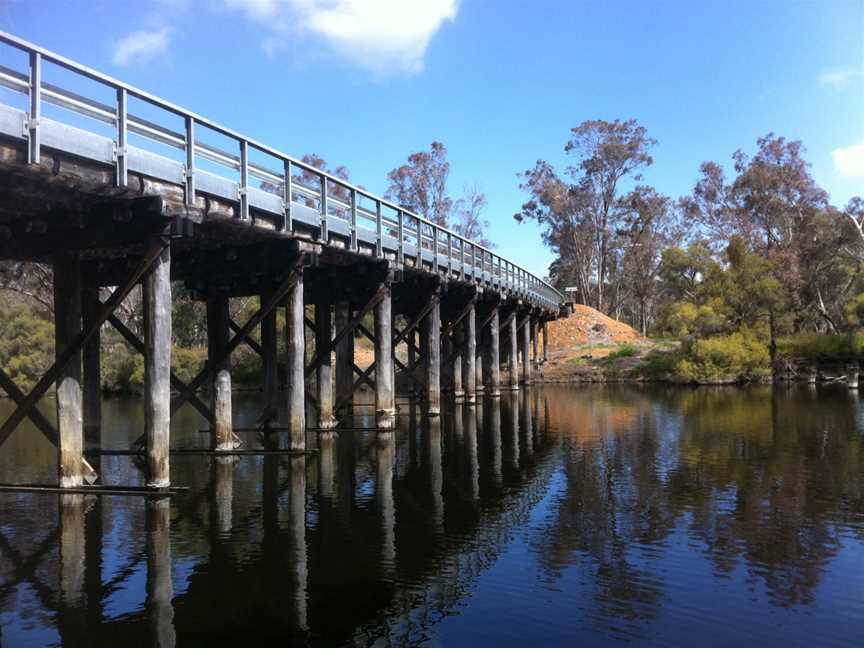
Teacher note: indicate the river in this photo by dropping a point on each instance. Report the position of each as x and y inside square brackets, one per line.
[583, 516]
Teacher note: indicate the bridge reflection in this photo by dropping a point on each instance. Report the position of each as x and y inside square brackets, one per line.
[380, 537]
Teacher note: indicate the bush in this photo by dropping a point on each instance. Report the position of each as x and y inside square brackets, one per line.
[816, 345]
[624, 351]
[726, 358]
[26, 344]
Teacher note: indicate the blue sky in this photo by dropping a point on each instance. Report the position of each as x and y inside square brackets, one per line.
[364, 83]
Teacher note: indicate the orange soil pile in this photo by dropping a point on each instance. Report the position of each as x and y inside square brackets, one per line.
[587, 326]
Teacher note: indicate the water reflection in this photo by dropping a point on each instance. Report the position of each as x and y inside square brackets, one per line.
[608, 513]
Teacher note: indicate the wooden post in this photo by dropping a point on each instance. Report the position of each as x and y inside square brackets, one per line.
[295, 333]
[493, 417]
[480, 381]
[852, 375]
[511, 447]
[157, 370]
[469, 355]
[527, 425]
[90, 305]
[526, 353]
[344, 358]
[385, 406]
[218, 331]
[326, 465]
[458, 348]
[295, 542]
[492, 370]
[472, 463]
[513, 355]
[385, 459]
[67, 326]
[545, 330]
[160, 585]
[535, 355]
[431, 430]
[72, 551]
[270, 361]
[324, 373]
[223, 495]
[432, 324]
[410, 341]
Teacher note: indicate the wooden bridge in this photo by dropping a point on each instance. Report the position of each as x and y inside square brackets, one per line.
[115, 187]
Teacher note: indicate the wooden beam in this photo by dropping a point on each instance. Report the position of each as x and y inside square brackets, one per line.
[39, 420]
[151, 254]
[176, 383]
[320, 354]
[447, 330]
[294, 276]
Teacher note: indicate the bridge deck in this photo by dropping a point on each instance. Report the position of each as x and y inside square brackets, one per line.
[237, 182]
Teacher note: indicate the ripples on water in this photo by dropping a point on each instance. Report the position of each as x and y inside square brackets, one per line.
[559, 516]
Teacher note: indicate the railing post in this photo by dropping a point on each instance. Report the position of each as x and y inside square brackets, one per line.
[244, 180]
[34, 145]
[190, 161]
[288, 223]
[353, 243]
[401, 248]
[324, 233]
[121, 177]
[449, 254]
[434, 248]
[379, 231]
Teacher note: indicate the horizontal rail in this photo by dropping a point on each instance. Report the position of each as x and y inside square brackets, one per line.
[406, 233]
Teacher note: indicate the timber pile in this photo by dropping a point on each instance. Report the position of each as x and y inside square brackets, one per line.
[587, 326]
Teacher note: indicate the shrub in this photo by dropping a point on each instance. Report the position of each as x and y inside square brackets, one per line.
[724, 358]
[624, 351]
[26, 344]
[815, 345]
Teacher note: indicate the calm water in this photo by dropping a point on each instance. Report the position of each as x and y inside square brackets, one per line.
[577, 516]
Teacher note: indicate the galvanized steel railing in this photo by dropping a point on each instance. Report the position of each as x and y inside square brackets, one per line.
[294, 190]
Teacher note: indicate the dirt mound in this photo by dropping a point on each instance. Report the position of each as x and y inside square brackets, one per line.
[587, 326]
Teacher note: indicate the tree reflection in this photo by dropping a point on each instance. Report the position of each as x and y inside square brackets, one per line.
[761, 479]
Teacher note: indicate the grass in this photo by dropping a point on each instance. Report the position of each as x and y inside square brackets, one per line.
[623, 351]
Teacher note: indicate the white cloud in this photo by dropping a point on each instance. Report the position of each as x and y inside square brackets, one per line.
[849, 161]
[140, 46]
[840, 77]
[384, 36]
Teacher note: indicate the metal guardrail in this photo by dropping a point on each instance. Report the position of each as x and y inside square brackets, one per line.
[297, 191]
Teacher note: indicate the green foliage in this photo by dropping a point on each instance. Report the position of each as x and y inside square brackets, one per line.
[624, 351]
[736, 357]
[817, 345]
[187, 363]
[122, 369]
[26, 344]
[855, 310]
